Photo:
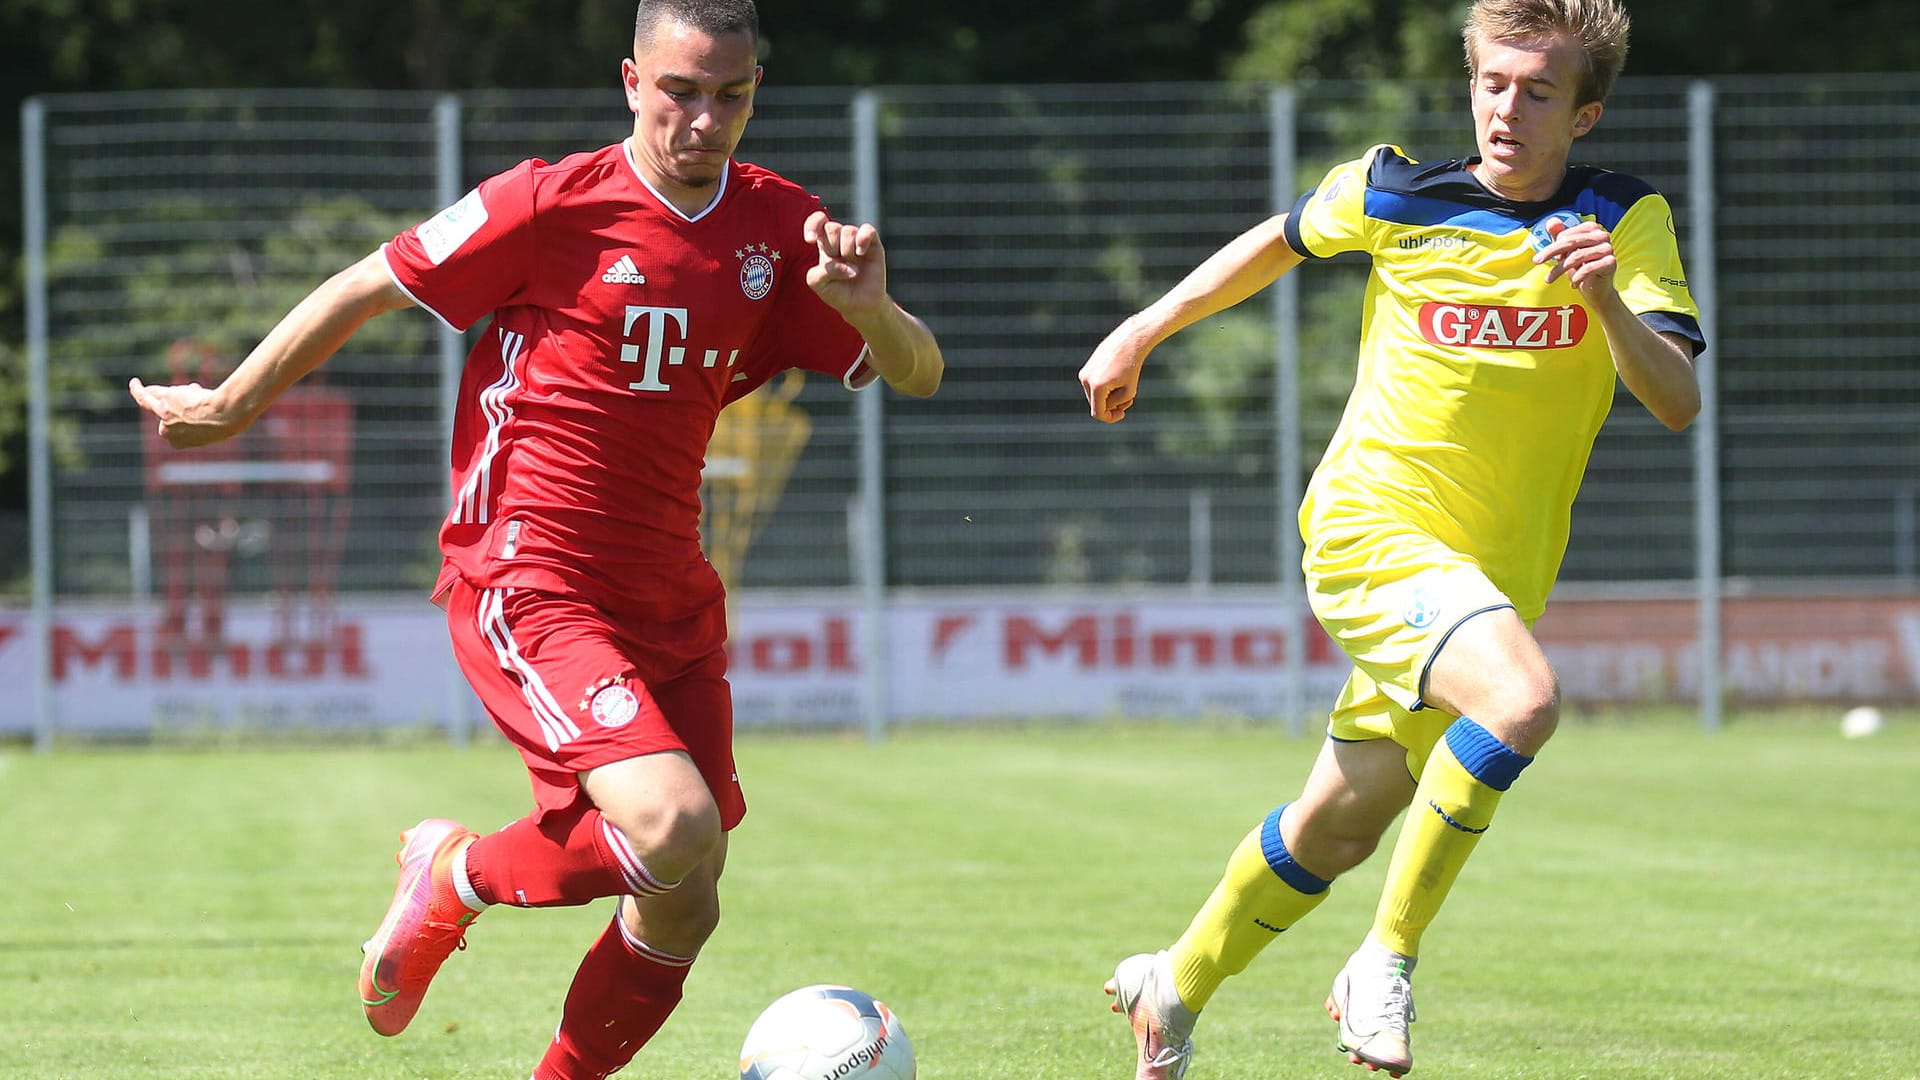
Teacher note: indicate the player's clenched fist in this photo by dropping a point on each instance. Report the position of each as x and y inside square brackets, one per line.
[851, 274]
[1111, 376]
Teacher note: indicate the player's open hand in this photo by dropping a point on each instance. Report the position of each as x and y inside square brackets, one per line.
[851, 274]
[1111, 376]
[1584, 255]
[187, 413]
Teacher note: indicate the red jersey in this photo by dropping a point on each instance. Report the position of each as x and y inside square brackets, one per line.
[620, 328]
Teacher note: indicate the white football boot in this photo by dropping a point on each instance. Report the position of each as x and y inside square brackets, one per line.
[1142, 989]
[1372, 997]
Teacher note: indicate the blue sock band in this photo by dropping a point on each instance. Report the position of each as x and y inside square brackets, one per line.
[1486, 758]
[1281, 860]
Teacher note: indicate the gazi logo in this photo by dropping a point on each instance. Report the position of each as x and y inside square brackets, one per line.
[1492, 326]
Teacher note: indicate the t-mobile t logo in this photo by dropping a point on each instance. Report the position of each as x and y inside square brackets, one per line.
[658, 354]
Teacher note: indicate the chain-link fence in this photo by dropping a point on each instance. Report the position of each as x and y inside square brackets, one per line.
[1022, 224]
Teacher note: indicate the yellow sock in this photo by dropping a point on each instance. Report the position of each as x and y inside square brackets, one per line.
[1262, 893]
[1453, 804]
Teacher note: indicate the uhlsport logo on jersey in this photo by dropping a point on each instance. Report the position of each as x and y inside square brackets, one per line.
[756, 269]
[1422, 608]
[1493, 326]
[612, 703]
[1436, 243]
[624, 272]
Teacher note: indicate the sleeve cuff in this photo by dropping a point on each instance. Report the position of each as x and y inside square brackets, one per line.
[386, 254]
[1674, 322]
[861, 374]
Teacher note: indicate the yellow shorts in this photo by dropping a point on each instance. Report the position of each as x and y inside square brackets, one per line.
[1390, 600]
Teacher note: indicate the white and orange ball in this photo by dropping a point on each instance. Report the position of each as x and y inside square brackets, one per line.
[827, 1032]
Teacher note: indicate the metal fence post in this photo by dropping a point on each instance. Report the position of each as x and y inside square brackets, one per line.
[33, 168]
[1903, 533]
[1706, 428]
[873, 434]
[1200, 540]
[1286, 404]
[447, 189]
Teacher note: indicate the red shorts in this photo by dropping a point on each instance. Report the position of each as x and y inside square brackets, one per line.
[573, 688]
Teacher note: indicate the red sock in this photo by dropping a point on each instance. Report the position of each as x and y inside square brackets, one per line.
[620, 996]
[564, 860]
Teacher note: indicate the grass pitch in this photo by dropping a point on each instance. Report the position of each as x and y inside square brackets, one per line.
[1652, 902]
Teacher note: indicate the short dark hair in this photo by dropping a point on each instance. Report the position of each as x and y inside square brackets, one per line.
[714, 17]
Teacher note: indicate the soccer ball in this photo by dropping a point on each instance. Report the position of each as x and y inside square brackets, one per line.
[826, 1032]
[1860, 722]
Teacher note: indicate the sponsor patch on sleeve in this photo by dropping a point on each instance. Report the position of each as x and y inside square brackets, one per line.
[442, 234]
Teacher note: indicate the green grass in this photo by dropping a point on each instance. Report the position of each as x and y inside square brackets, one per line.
[1653, 902]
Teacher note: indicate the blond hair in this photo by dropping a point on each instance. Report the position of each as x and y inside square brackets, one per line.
[1600, 26]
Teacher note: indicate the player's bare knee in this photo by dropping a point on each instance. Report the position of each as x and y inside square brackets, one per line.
[1526, 715]
[687, 835]
[1327, 848]
[673, 838]
[698, 922]
[679, 922]
[1332, 856]
[687, 924]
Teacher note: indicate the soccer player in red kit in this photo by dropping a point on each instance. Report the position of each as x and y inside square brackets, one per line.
[634, 290]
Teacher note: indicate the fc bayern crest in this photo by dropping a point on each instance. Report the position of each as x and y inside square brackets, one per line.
[615, 706]
[756, 276]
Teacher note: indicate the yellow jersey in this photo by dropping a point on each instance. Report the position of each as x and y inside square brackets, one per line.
[1480, 387]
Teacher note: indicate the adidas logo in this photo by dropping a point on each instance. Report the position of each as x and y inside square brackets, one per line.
[623, 272]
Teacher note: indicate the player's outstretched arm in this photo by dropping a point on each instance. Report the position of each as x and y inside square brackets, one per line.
[851, 276]
[1245, 265]
[195, 415]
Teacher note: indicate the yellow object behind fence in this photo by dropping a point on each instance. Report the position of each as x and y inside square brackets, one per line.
[755, 443]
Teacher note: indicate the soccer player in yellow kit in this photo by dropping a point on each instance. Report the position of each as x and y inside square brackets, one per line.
[1508, 292]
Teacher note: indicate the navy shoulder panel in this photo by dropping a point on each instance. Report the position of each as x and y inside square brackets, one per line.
[1609, 195]
[1445, 193]
[1390, 172]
